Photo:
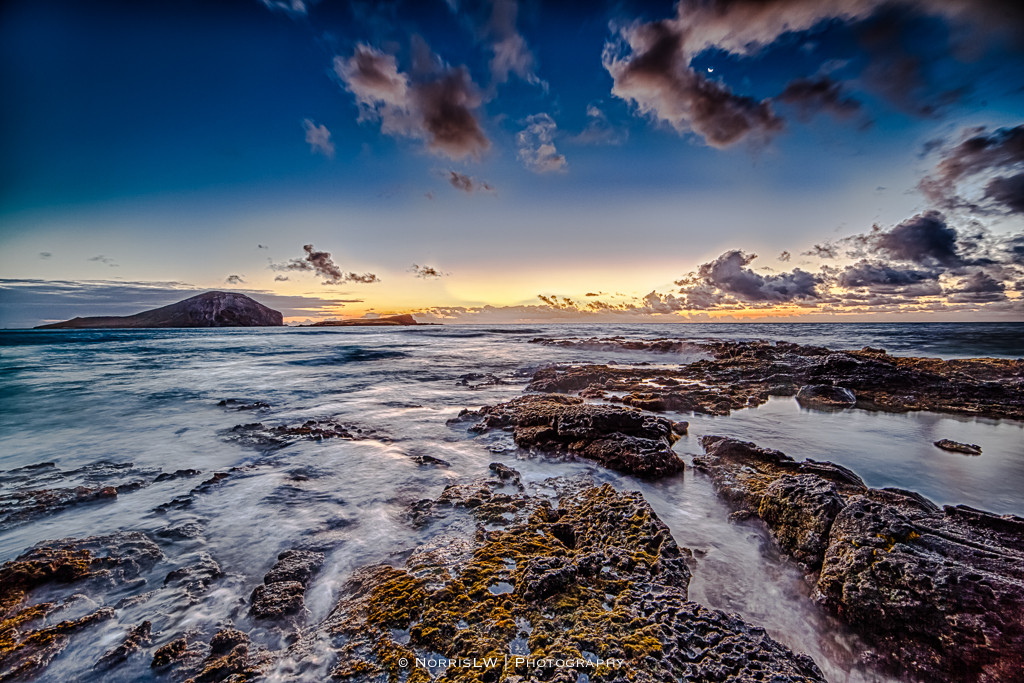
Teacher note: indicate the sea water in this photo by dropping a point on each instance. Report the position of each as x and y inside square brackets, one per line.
[80, 399]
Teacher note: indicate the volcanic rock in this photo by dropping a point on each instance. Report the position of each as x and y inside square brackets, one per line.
[284, 586]
[741, 374]
[825, 396]
[957, 447]
[615, 593]
[618, 438]
[939, 593]
[211, 309]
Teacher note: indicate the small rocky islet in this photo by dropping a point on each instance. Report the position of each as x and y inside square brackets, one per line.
[586, 574]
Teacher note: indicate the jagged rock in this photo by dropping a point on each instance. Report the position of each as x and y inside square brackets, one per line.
[97, 561]
[211, 309]
[295, 565]
[739, 374]
[277, 600]
[825, 396]
[598, 574]
[938, 593]
[957, 447]
[135, 640]
[284, 586]
[618, 438]
[800, 511]
[177, 474]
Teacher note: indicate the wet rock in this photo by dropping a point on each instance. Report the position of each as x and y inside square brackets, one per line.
[295, 565]
[799, 512]
[232, 658]
[506, 474]
[35, 651]
[197, 577]
[243, 405]
[618, 438]
[23, 506]
[277, 600]
[738, 374]
[681, 428]
[259, 435]
[177, 474]
[957, 447]
[100, 562]
[172, 653]
[938, 593]
[284, 586]
[429, 460]
[135, 640]
[825, 396]
[617, 591]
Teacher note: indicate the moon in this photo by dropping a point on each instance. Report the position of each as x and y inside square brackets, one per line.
[710, 69]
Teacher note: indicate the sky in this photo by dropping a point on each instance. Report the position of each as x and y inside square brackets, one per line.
[499, 161]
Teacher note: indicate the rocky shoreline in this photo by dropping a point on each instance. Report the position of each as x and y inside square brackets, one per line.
[507, 575]
[739, 374]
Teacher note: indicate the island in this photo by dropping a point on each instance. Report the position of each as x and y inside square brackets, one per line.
[389, 321]
[210, 309]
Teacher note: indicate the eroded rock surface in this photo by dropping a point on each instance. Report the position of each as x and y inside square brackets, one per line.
[738, 374]
[284, 586]
[27, 647]
[619, 438]
[595, 577]
[939, 593]
[957, 447]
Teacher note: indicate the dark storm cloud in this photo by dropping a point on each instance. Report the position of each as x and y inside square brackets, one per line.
[234, 280]
[461, 181]
[925, 239]
[426, 272]
[435, 105]
[883, 280]
[650, 62]
[1009, 192]
[30, 302]
[822, 94]
[996, 156]
[728, 279]
[321, 263]
[655, 75]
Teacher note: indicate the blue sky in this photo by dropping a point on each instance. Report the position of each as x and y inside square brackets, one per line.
[639, 152]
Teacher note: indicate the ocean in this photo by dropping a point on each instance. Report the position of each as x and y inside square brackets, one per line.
[112, 407]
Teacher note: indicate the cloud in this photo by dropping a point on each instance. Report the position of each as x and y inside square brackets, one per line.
[45, 255]
[31, 302]
[104, 260]
[280, 278]
[293, 7]
[536, 145]
[234, 280]
[426, 272]
[980, 156]
[436, 106]
[262, 246]
[728, 280]
[650, 62]
[319, 138]
[599, 131]
[649, 66]
[925, 239]
[321, 263]
[822, 94]
[461, 181]
[495, 22]
[785, 256]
